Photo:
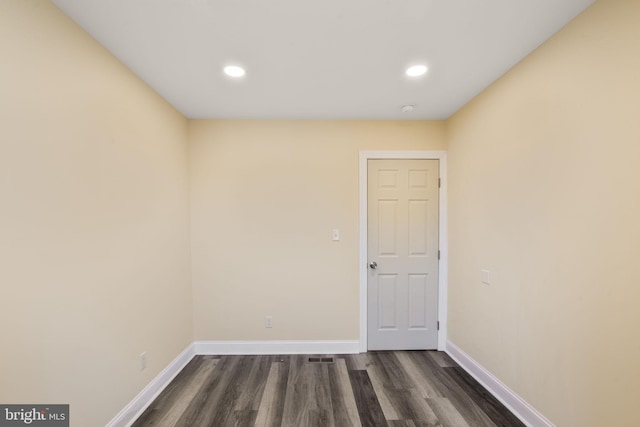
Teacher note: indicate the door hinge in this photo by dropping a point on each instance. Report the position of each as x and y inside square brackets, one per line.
[439, 182]
[438, 253]
[438, 325]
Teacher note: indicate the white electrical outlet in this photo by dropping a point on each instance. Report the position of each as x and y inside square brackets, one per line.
[484, 276]
[268, 322]
[143, 360]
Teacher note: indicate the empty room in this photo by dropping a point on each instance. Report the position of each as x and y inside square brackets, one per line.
[336, 213]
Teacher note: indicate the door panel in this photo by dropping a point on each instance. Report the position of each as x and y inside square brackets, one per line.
[387, 290]
[387, 235]
[417, 298]
[403, 243]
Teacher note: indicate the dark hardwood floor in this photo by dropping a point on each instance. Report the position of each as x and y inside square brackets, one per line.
[390, 389]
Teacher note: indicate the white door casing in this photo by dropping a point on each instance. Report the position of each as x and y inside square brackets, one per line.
[403, 254]
[442, 238]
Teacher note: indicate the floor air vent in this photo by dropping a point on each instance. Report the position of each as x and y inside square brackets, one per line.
[321, 360]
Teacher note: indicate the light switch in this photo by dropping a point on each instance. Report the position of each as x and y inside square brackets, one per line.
[336, 235]
[485, 276]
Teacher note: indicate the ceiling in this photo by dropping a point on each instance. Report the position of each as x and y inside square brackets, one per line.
[322, 59]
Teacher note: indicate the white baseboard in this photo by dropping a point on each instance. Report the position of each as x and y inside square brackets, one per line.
[277, 347]
[136, 407]
[504, 394]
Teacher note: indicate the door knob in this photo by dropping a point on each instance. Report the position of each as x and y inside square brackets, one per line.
[373, 265]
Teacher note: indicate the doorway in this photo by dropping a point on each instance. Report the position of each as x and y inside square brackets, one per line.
[402, 235]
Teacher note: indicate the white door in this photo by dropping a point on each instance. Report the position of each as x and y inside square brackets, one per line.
[402, 254]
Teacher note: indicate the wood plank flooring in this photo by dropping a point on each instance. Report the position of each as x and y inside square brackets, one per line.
[375, 389]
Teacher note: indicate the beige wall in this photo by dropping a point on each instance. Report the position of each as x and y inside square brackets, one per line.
[265, 196]
[94, 265]
[544, 192]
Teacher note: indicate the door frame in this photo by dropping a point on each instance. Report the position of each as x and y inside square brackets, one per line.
[442, 231]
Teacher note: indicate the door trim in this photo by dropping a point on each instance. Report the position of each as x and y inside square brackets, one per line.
[442, 230]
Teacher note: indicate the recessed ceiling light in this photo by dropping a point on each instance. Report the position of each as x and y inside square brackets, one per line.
[234, 71]
[407, 108]
[416, 70]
